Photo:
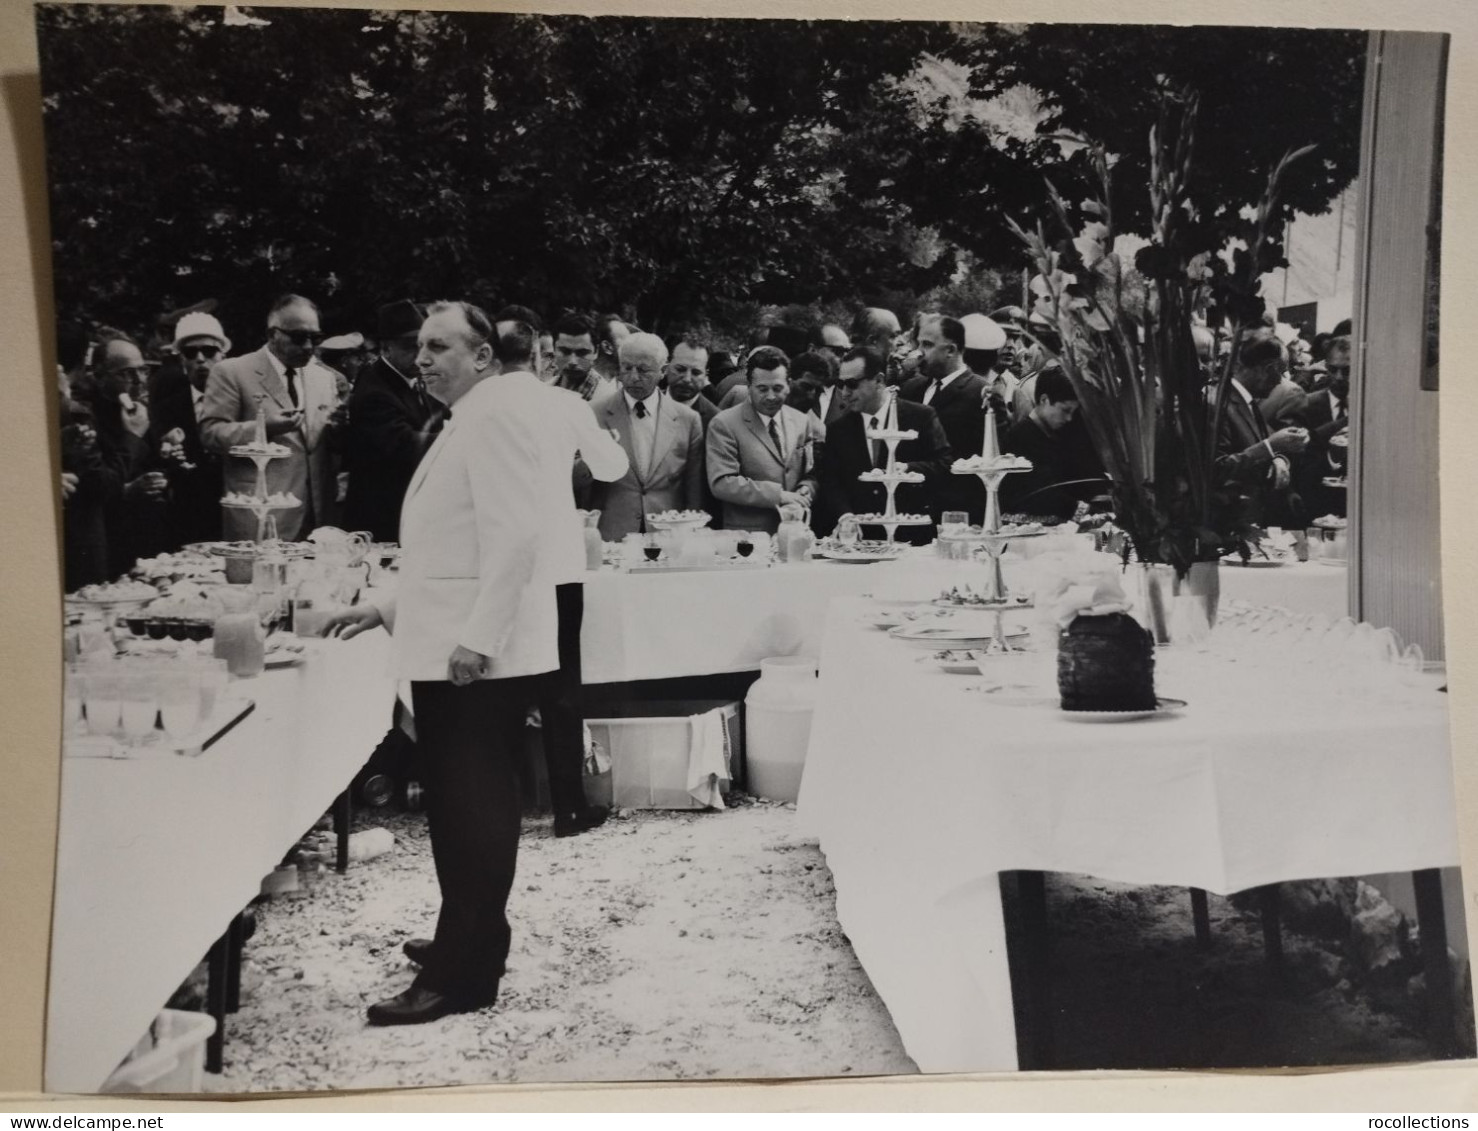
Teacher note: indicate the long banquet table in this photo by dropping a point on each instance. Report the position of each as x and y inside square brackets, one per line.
[658, 626]
[922, 791]
[158, 853]
[155, 855]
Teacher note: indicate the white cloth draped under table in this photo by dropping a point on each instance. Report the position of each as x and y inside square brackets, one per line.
[921, 793]
[157, 853]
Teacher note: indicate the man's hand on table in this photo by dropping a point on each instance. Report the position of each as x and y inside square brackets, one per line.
[350, 622]
[466, 666]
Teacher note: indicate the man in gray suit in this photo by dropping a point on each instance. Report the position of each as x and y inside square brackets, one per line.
[763, 454]
[663, 441]
[299, 396]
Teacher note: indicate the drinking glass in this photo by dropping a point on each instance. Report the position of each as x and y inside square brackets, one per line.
[139, 700]
[951, 521]
[100, 699]
[72, 699]
[179, 702]
[211, 683]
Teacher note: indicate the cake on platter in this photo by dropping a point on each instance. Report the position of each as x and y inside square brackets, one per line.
[977, 464]
[886, 434]
[1106, 663]
[262, 448]
[879, 475]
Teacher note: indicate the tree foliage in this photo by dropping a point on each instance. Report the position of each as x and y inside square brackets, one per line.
[673, 169]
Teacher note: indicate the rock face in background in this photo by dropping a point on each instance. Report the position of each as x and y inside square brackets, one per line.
[1378, 934]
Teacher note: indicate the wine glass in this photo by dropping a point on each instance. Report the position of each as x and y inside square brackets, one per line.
[211, 681]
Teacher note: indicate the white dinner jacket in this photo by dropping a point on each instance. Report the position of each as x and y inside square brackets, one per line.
[478, 536]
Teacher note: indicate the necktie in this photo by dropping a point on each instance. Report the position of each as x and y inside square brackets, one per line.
[775, 438]
[1259, 420]
[876, 446]
[292, 385]
[641, 410]
[421, 394]
[934, 390]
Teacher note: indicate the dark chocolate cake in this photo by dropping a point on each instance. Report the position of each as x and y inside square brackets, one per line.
[1106, 663]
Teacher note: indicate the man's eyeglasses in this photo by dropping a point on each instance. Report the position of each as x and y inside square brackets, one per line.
[210, 353]
[301, 338]
[644, 370]
[852, 384]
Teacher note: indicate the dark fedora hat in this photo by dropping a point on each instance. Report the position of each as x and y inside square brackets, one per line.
[399, 318]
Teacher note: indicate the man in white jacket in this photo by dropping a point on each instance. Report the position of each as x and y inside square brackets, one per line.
[474, 625]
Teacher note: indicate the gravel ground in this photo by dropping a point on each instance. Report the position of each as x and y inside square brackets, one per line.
[660, 946]
[670, 945]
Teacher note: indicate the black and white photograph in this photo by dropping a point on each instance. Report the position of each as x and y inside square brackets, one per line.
[624, 548]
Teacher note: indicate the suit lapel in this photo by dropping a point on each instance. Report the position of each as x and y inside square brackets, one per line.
[272, 384]
[432, 453]
[618, 416]
[762, 433]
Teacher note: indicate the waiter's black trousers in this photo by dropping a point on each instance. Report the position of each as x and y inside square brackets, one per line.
[561, 707]
[468, 741]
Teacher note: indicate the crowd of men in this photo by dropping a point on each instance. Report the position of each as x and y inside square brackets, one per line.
[473, 440]
[145, 441]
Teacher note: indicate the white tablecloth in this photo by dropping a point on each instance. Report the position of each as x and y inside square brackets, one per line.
[658, 626]
[1303, 587]
[921, 792]
[156, 854]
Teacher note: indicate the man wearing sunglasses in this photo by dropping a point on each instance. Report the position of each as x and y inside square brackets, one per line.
[298, 395]
[175, 406]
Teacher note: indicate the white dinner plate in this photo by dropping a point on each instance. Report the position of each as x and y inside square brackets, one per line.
[958, 666]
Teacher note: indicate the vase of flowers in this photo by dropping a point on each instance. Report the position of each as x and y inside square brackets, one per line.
[1143, 365]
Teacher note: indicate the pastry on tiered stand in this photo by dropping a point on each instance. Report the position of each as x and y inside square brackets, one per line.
[991, 466]
[890, 474]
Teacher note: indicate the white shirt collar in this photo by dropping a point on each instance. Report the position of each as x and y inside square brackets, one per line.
[1246, 396]
[279, 368]
[651, 401]
[946, 380]
[411, 381]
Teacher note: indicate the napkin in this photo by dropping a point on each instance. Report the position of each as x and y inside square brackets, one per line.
[707, 764]
[1094, 597]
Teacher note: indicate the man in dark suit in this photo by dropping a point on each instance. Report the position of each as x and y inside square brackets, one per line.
[686, 376]
[176, 396]
[1043, 436]
[392, 421]
[1251, 458]
[958, 397]
[848, 452]
[1326, 413]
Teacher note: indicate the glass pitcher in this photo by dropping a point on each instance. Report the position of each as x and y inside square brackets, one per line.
[793, 541]
[594, 546]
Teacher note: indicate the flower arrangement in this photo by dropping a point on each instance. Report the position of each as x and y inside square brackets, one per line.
[1125, 340]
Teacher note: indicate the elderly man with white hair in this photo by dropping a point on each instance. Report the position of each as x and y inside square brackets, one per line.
[662, 439]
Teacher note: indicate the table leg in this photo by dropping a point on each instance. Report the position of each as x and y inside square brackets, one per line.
[343, 817]
[1431, 918]
[1036, 1046]
[217, 962]
[1272, 926]
[235, 942]
[1201, 916]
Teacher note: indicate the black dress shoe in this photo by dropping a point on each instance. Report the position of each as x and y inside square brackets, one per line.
[573, 824]
[418, 1005]
[417, 950]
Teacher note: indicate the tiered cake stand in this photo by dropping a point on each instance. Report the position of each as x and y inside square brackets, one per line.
[997, 598]
[261, 453]
[891, 435]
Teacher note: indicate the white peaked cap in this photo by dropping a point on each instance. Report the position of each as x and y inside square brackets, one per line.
[982, 333]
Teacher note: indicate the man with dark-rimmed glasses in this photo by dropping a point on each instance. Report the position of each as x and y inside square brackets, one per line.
[298, 397]
[176, 402]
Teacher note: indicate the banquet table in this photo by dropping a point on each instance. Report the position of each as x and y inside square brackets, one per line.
[922, 788]
[158, 853]
[666, 625]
